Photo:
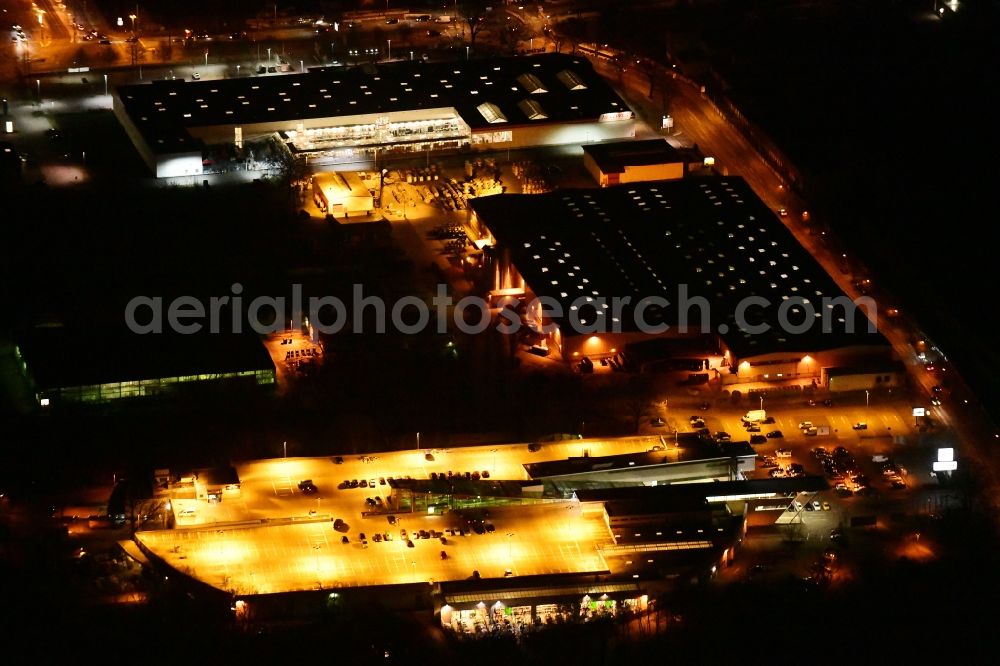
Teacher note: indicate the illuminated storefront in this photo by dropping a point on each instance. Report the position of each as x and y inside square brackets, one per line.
[519, 609]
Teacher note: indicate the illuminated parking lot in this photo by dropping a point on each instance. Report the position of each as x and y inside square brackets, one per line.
[275, 538]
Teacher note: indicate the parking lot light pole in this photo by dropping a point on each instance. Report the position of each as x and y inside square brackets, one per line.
[284, 446]
[105, 85]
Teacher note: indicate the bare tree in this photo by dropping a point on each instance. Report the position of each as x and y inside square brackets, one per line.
[509, 33]
[473, 12]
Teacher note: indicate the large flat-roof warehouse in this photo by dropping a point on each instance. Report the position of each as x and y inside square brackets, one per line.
[707, 238]
[344, 114]
[103, 364]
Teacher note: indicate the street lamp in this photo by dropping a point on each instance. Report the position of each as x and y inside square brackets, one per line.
[237, 71]
[269, 55]
[38, 84]
[105, 85]
[284, 446]
[302, 66]
[388, 50]
[866, 398]
[381, 186]
[466, 52]
[133, 17]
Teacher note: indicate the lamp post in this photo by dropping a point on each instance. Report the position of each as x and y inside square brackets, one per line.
[268, 55]
[866, 399]
[388, 49]
[38, 85]
[466, 52]
[133, 17]
[105, 85]
[381, 185]
[237, 71]
[284, 447]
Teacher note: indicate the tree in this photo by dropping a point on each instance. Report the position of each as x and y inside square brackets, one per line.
[509, 33]
[473, 12]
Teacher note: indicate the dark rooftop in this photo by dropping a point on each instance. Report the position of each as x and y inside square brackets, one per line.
[614, 156]
[217, 476]
[671, 455]
[498, 92]
[476, 589]
[710, 235]
[895, 366]
[58, 358]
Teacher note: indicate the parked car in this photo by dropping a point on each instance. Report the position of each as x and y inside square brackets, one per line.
[775, 434]
[758, 439]
[803, 425]
[860, 426]
[783, 453]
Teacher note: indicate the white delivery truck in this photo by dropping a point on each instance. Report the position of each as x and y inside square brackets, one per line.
[755, 415]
